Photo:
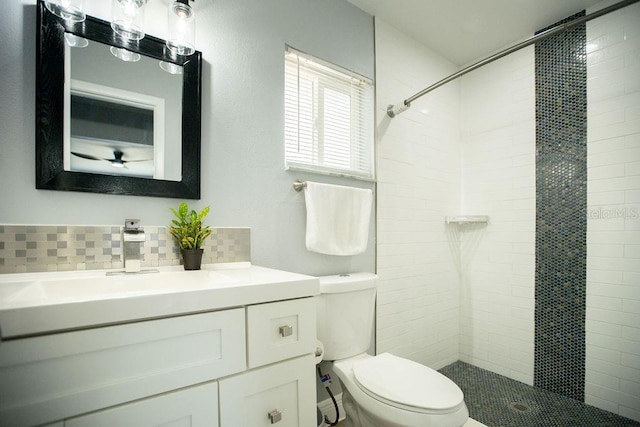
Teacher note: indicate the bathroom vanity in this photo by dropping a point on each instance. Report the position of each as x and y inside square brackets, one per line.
[214, 347]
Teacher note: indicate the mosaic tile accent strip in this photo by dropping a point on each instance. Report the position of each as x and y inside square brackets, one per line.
[496, 400]
[35, 248]
[561, 203]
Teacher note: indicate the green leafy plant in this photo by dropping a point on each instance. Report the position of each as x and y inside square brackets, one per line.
[187, 229]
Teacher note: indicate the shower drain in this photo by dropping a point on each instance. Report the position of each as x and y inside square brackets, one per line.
[520, 407]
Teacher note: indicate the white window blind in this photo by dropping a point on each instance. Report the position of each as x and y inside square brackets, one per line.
[328, 118]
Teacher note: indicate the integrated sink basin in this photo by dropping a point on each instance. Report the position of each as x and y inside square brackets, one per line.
[49, 288]
[40, 303]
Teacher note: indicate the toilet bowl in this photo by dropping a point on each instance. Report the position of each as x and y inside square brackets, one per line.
[383, 390]
[390, 391]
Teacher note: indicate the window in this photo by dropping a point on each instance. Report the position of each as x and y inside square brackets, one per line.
[328, 118]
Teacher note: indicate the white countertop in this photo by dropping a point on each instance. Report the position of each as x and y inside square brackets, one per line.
[40, 303]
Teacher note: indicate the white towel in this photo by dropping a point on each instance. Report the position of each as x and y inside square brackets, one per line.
[337, 218]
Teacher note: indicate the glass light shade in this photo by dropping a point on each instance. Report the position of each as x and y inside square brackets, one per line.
[75, 41]
[182, 29]
[170, 67]
[124, 54]
[128, 18]
[69, 10]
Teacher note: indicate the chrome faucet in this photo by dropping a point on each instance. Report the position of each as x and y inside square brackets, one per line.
[133, 237]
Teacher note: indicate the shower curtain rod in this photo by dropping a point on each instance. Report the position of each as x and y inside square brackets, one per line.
[394, 110]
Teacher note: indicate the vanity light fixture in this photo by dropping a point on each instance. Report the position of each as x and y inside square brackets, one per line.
[182, 28]
[128, 18]
[69, 10]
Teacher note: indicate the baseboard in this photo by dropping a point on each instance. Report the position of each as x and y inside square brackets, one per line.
[327, 407]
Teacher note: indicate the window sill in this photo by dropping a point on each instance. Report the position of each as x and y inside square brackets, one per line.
[329, 172]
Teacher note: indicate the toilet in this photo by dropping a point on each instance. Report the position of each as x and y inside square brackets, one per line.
[383, 390]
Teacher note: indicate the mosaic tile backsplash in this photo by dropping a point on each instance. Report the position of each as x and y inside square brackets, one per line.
[37, 248]
[561, 203]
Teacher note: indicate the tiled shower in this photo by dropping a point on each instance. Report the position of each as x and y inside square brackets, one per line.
[548, 292]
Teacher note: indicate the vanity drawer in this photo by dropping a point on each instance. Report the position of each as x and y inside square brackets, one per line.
[280, 330]
[57, 376]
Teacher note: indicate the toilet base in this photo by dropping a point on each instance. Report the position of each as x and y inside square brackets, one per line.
[356, 417]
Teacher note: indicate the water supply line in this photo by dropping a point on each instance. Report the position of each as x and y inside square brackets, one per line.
[394, 110]
[326, 381]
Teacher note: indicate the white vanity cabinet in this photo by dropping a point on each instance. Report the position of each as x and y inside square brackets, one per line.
[171, 372]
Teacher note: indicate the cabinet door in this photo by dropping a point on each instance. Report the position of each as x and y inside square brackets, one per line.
[59, 376]
[282, 395]
[191, 407]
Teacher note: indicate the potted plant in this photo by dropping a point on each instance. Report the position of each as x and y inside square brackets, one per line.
[189, 232]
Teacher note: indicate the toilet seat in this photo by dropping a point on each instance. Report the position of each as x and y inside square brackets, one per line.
[406, 384]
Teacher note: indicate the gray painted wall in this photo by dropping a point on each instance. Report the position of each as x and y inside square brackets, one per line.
[243, 179]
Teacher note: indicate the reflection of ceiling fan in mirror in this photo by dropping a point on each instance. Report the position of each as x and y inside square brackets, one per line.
[117, 161]
[112, 158]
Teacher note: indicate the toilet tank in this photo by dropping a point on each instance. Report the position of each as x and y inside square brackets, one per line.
[345, 314]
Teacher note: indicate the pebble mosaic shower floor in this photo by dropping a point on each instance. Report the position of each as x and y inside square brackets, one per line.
[496, 400]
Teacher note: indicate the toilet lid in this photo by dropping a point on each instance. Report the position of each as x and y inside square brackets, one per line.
[405, 383]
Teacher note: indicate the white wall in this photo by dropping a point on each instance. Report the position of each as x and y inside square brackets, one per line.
[498, 175]
[613, 194]
[243, 176]
[418, 185]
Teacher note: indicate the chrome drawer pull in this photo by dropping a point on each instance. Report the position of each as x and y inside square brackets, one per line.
[275, 416]
[286, 331]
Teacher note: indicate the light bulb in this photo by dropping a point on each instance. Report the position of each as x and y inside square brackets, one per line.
[130, 9]
[128, 18]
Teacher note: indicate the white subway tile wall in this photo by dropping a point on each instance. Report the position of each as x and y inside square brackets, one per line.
[613, 221]
[498, 169]
[418, 185]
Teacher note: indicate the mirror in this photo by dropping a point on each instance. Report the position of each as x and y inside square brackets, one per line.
[119, 131]
[125, 115]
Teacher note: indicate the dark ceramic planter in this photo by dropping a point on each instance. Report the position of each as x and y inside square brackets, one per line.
[192, 258]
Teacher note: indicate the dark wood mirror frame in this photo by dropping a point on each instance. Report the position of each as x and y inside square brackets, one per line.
[50, 173]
